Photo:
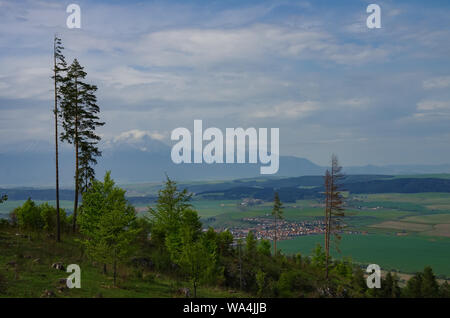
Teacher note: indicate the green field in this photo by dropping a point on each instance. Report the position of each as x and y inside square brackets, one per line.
[406, 231]
[403, 253]
[411, 200]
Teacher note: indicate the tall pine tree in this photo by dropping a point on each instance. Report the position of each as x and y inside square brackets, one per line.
[88, 154]
[79, 112]
[59, 69]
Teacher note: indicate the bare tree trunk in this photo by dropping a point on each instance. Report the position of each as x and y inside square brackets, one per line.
[58, 224]
[240, 267]
[275, 237]
[115, 272]
[334, 207]
[326, 224]
[75, 205]
[331, 186]
[328, 196]
[115, 266]
[195, 289]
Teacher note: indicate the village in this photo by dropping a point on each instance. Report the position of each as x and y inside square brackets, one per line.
[264, 228]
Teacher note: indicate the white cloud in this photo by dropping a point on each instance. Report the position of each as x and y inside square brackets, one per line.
[355, 102]
[137, 135]
[290, 109]
[25, 78]
[124, 76]
[437, 82]
[200, 47]
[432, 105]
[431, 110]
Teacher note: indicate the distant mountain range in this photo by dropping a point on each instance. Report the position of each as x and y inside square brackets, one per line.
[148, 160]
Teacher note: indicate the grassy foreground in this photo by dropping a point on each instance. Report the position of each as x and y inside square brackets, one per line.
[25, 271]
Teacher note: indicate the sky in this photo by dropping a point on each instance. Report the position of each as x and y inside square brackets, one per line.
[310, 68]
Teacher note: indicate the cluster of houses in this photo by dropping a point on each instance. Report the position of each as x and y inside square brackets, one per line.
[264, 228]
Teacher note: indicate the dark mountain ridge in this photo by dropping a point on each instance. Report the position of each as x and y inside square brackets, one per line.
[289, 189]
[148, 160]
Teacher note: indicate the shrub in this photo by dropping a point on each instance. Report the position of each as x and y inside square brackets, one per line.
[4, 223]
[29, 216]
[48, 215]
[32, 217]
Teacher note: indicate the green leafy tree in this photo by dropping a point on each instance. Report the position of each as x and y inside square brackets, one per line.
[277, 213]
[144, 227]
[396, 290]
[264, 247]
[176, 228]
[194, 260]
[294, 283]
[106, 220]
[29, 217]
[59, 69]
[422, 285]
[285, 283]
[390, 287]
[414, 286]
[251, 245]
[261, 282]
[225, 242]
[430, 286]
[189, 230]
[50, 217]
[79, 113]
[194, 253]
[359, 284]
[215, 271]
[3, 198]
[35, 218]
[319, 256]
[445, 290]
[167, 216]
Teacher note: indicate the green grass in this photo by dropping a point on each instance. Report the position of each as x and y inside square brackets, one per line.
[33, 278]
[404, 253]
